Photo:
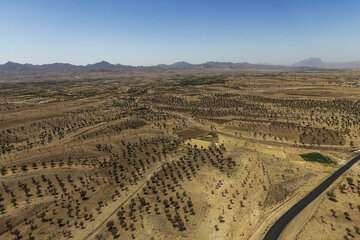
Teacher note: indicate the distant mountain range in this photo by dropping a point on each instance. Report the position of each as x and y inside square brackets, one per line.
[318, 63]
[11, 67]
[103, 66]
[61, 67]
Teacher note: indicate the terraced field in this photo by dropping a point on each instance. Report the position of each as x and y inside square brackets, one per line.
[174, 154]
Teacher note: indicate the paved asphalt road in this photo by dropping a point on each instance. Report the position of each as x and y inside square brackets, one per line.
[283, 221]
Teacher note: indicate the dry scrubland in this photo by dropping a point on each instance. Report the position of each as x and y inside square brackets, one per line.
[177, 155]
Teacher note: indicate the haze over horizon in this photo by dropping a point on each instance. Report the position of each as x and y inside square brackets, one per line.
[144, 33]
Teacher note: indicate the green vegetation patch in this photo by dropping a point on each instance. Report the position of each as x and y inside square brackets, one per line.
[316, 157]
[209, 137]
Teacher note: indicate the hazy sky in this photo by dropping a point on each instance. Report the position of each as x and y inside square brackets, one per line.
[147, 32]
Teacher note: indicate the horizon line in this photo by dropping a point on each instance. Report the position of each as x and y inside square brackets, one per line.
[180, 61]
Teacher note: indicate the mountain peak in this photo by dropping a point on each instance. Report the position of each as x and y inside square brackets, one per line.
[9, 63]
[180, 64]
[102, 63]
[310, 62]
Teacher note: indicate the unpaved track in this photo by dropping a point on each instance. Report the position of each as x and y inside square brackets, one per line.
[277, 228]
[231, 135]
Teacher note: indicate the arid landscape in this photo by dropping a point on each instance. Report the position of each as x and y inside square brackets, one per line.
[179, 120]
[169, 153]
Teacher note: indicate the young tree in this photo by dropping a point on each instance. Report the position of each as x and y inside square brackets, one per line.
[110, 224]
[83, 194]
[60, 222]
[114, 231]
[17, 233]
[3, 170]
